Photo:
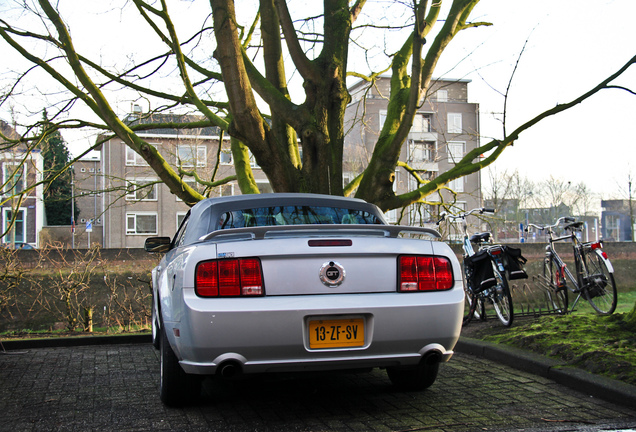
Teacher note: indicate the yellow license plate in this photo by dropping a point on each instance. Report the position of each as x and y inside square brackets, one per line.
[343, 333]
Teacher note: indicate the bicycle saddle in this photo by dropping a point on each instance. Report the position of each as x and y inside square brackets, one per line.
[574, 226]
[480, 237]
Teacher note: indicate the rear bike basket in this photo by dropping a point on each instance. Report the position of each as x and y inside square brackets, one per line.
[514, 263]
[480, 271]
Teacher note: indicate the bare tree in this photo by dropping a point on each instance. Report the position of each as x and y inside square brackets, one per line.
[511, 195]
[222, 68]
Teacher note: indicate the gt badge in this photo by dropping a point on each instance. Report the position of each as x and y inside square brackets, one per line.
[332, 274]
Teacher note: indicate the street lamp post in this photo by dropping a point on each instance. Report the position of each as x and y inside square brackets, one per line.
[631, 208]
[72, 210]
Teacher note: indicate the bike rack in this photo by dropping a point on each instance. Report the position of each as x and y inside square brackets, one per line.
[531, 298]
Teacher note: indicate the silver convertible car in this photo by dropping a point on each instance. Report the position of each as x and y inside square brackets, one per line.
[301, 282]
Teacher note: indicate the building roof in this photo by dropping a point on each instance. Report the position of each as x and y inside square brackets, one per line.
[359, 81]
[172, 124]
[8, 131]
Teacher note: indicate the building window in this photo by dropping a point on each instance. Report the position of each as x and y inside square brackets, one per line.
[454, 122]
[190, 182]
[460, 206]
[441, 95]
[133, 158]
[421, 151]
[421, 123]
[191, 155]
[14, 178]
[141, 223]
[180, 217]
[253, 162]
[391, 216]
[226, 157]
[457, 184]
[226, 189]
[16, 234]
[455, 151]
[264, 186]
[419, 214]
[141, 190]
[382, 118]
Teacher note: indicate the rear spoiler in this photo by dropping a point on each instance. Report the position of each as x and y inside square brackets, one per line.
[276, 231]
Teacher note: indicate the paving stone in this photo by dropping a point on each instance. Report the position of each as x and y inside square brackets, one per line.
[115, 387]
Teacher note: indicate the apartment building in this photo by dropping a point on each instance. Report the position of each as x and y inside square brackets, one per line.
[121, 200]
[21, 205]
[445, 127]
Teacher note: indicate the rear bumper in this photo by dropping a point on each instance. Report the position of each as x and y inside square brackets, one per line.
[271, 334]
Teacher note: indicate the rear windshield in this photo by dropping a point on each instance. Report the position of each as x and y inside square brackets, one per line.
[294, 215]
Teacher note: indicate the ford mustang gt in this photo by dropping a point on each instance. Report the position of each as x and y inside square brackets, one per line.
[301, 282]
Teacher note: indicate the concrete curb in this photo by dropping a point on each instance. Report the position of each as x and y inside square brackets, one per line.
[607, 389]
[23, 344]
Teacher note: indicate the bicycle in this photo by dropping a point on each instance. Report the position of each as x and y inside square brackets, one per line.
[594, 278]
[484, 273]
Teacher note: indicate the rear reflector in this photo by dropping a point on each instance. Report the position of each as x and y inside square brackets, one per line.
[599, 245]
[424, 273]
[229, 278]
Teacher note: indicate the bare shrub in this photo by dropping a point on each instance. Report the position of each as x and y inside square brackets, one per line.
[11, 275]
[128, 301]
[74, 288]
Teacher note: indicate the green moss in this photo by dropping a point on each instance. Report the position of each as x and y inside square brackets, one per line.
[603, 345]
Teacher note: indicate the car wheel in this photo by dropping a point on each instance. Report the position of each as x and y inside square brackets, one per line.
[176, 388]
[411, 379]
[156, 340]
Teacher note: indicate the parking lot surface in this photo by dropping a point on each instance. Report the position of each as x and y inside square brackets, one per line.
[115, 387]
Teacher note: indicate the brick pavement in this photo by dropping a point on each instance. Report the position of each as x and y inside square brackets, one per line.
[114, 387]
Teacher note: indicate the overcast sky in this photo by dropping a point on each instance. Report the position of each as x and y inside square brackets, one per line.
[571, 45]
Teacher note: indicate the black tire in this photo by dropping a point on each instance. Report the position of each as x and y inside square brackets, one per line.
[176, 388]
[557, 295]
[156, 339]
[501, 299]
[599, 287]
[416, 378]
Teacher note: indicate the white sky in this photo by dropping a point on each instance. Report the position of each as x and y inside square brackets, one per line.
[571, 46]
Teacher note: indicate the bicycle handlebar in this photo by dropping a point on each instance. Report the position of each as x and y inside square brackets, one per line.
[566, 219]
[480, 210]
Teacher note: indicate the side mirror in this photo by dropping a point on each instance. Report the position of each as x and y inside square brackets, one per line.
[157, 244]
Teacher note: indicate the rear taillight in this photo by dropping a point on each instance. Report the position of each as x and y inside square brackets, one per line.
[599, 245]
[229, 278]
[424, 273]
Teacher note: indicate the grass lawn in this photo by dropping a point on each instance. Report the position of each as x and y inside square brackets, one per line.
[602, 345]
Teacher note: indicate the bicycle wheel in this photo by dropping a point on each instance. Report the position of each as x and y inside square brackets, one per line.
[599, 287]
[480, 309]
[470, 305]
[557, 292]
[501, 299]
